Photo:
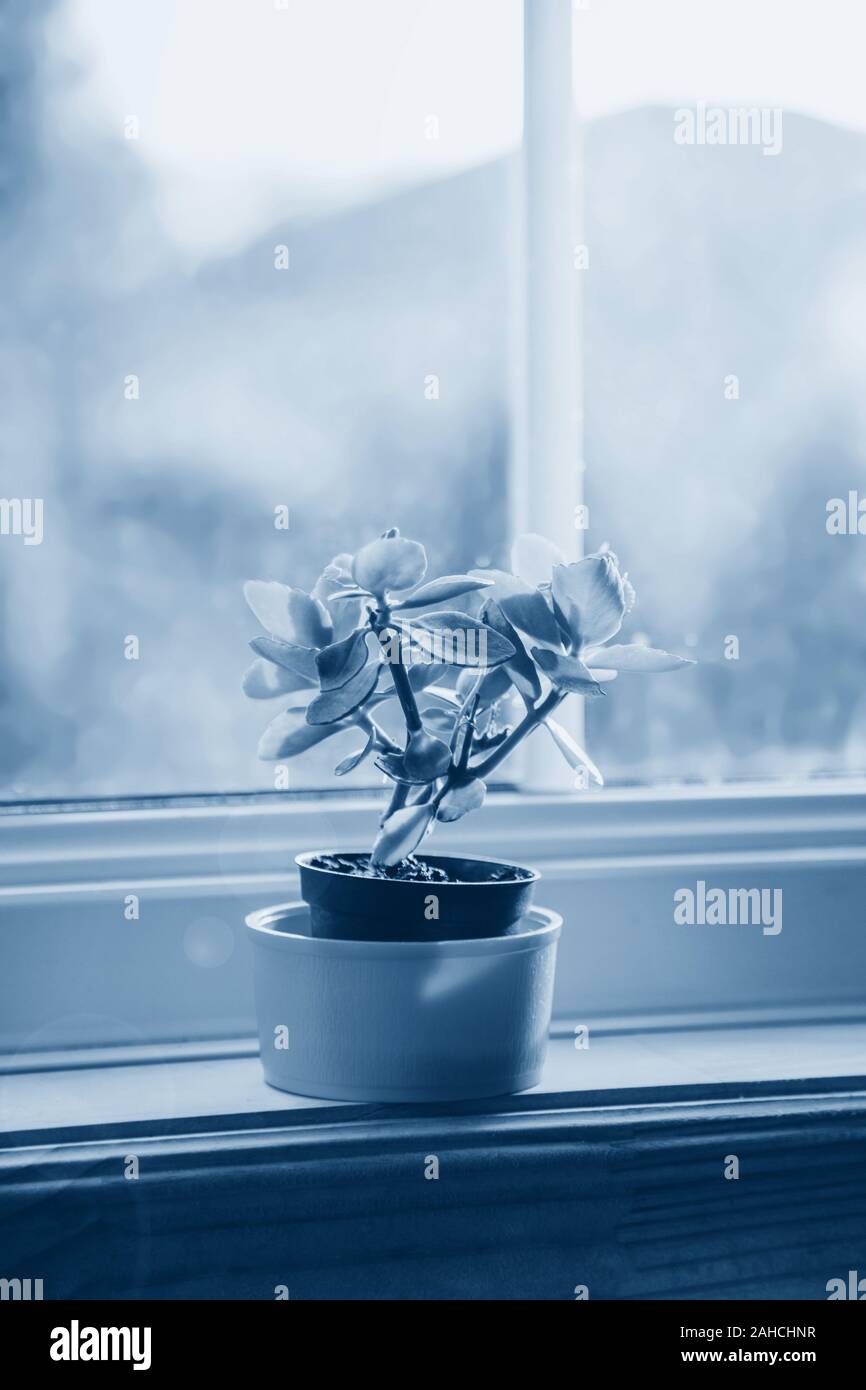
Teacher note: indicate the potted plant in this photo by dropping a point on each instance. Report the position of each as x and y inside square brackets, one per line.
[406, 975]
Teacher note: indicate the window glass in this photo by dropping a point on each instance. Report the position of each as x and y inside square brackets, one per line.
[725, 169]
[254, 267]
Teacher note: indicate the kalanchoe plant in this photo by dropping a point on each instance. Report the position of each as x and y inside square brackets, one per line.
[374, 630]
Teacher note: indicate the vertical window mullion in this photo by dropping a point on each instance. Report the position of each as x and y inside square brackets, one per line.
[547, 451]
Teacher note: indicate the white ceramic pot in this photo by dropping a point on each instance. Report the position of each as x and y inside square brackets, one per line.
[402, 1020]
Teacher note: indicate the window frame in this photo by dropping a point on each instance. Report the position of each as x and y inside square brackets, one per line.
[617, 853]
[78, 971]
[546, 461]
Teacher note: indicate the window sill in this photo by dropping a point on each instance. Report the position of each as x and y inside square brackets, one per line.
[115, 1091]
[610, 1174]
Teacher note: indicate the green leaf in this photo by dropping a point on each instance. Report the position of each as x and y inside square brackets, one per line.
[492, 687]
[459, 801]
[336, 704]
[299, 660]
[569, 624]
[290, 734]
[602, 674]
[438, 590]
[634, 657]
[567, 673]
[340, 564]
[525, 607]
[441, 721]
[520, 667]
[572, 752]
[592, 596]
[269, 602]
[422, 677]
[401, 834]
[391, 562]
[345, 616]
[444, 693]
[462, 730]
[355, 759]
[393, 766]
[289, 614]
[379, 697]
[470, 679]
[531, 613]
[338, 663]
[457, 639]
[263, 680]
[495, 686]
[426, 757]
[533, 558]
[426, 673]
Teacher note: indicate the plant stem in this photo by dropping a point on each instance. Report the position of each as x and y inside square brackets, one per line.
[406, 696]
[531, 720]
[469, 715]
[399, 674]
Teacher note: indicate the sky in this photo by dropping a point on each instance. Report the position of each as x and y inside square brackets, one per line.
[250, 107]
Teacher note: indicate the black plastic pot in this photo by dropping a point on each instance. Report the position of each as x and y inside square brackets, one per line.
[350, 907]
